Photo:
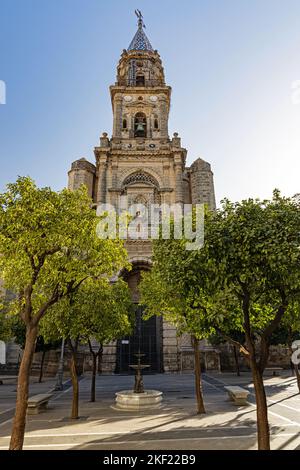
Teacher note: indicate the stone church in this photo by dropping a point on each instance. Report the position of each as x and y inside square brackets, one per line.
[141, 161]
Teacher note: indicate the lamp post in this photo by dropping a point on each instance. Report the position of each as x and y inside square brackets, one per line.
[60, 371]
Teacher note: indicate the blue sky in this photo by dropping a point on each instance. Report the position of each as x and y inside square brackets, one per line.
[231, 64]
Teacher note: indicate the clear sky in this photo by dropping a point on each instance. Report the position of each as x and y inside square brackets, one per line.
[231, 64]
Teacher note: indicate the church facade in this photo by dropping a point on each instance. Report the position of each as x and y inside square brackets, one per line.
[142, 163]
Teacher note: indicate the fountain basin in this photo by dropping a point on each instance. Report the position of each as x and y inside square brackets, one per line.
[128, 400]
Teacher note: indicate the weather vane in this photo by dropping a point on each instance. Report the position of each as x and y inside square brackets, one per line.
[140, 17]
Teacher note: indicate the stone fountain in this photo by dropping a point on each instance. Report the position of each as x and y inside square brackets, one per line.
[138, 398]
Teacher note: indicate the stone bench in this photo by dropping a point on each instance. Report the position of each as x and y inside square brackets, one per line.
[7, 378]
[238, 395]
[274, 370]
[37, 403]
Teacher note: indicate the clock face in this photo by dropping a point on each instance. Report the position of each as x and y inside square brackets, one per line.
[153, 98]
[127, 98]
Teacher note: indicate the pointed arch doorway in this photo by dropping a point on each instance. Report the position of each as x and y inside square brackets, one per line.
[147, 334]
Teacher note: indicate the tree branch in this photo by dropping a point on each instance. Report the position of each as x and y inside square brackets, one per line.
[241, 347]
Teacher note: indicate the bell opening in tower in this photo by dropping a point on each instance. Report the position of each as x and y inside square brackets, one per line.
[140, 80]
[140, 125]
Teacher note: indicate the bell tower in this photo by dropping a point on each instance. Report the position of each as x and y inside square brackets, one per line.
[140, 98]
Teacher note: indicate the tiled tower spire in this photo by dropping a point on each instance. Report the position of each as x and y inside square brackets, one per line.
[140, 41]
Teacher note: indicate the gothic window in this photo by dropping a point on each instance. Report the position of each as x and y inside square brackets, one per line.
[155, 123]
[140, 80]
[124, 124]
[140, 125]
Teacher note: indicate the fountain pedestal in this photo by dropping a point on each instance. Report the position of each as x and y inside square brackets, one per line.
[138, 399]
[128, 400]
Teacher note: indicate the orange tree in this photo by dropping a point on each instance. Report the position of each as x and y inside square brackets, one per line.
[174, 290]
[98, 311]
[48, 247]
[253, 248]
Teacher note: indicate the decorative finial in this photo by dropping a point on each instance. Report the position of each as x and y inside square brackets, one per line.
[140, 18]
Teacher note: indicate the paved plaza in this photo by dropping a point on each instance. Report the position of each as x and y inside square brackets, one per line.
[173, 426]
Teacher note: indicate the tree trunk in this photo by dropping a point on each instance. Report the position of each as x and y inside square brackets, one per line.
[198, 384]
[93, 385]
[18, 429]
[236, 359]
[94, 371]
[42, 366]
[100, 356]
[263, 432]
[74, 378]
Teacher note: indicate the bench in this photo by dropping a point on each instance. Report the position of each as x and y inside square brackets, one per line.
[274, 370]
[238, 395]
[37, 403]
[7, 378]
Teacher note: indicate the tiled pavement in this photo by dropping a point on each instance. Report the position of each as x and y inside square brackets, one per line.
[174, 426]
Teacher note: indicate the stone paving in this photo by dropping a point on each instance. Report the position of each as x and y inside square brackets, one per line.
[173, 426]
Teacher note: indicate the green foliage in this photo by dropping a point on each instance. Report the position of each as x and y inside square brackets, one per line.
[97, 310]
[254, 248]
[250, 255]
[175, 289]
[49, 246]
[5, 331]
[18, 334]
[18, 330]
[289, 329]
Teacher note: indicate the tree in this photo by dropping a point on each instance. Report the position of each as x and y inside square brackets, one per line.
[254, 246]
[98, 311]
[49, 246]
[173, 289]
[113, 318]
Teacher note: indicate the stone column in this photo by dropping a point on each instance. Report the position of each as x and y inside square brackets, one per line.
[178, 180]
[149, 128]
[114, 199]
[108, 182]
[101, 192]
[166, 173]
[163, 117]
[117, 127]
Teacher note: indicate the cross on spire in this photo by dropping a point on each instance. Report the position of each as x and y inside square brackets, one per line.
[140, 18]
